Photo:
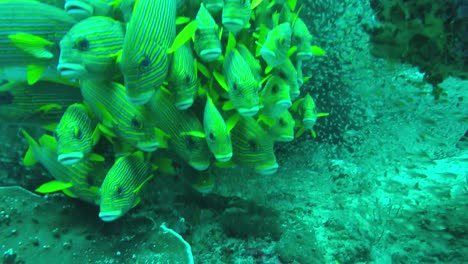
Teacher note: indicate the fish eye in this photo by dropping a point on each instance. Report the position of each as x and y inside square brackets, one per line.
[78, 133]
[136, 123]
[282, 122]
[274, 89]
[252, 145]
[211, 136]
[145, 62]
[190, 142]
[234, 87]
[188, 79]
[295, 38]
[119, 190]
[82, 44]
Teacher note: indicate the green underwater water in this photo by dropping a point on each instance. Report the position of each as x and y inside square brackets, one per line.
[384, 181]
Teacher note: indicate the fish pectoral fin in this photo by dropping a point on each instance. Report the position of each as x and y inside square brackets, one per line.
[48, 142]
[232, 121]
[137, 201]
[96, 136]
[318, 51]
[221, 79]
[96, 157]
[47, 108]
[197, 134]
[51, 127]
[228, 106]
[224, 165]
[53, 186]
[106, 131]
[300, 132]
[313, 133]
[32, 44]
[34, 73]
[69, 193]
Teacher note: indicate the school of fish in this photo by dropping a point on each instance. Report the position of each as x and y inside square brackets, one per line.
[194, 83]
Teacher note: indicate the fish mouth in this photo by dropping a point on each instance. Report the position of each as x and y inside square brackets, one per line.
[214, 7]
[110, 215]
[268, 170]
[183, 105]
[70, 158]
[199, 166]
[304, 55]
[148, 146]
[294, 94]
[210, 54]
[142, 98]
[223, 158]
[233, 24]
[78, 9]
[269, 56]
[285, 104]
[248, 111]
[309, 123]
[71, 70]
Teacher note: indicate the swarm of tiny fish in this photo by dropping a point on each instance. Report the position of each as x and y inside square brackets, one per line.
[200, 83]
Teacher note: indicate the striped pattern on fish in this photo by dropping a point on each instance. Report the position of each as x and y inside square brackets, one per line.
[144, 62]
[30, 17]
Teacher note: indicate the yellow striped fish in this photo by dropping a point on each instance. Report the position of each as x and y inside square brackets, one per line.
[183, 78]
[281, 128]
[42, 103]
[77, 181]
[277, 43]
[288, 73]
[183, 127]
[241, 81]
[217, 132]
[144, 62]
[76, 134]
[253, 147]
[132, 123]
[302, 38]
[236, 15]
[207, 43]
[82, 9]
[307, 111]
[30, 32]
[275, 97]
[120, 190]
[89, 50]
